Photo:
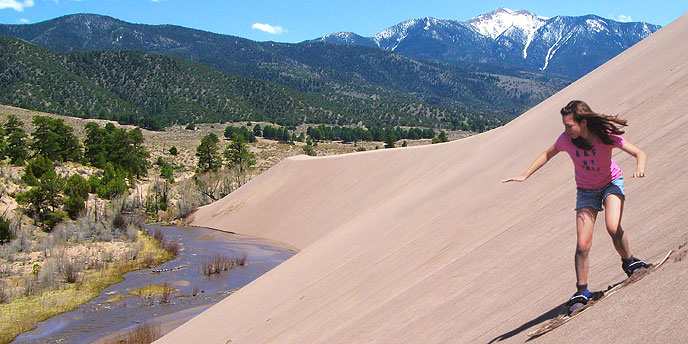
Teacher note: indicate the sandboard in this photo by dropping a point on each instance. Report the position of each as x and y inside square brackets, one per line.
[564, 318]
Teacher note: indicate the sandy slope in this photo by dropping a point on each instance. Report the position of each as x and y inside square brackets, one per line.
[424, 244]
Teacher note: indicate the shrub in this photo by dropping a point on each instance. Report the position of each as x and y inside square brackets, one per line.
[158, 235]
[173, 151]
[6, 233]
[112, 184]
[93, 183]
[74, 205]
[242, 261]
[120, 222]
[221, 262]
[148, 260]
[172, 247]
[145, 334]
[36, 168]
[4, 297]
[69, 272]
[308, 150]
[53, 218]
[167, 172]
[30, 287]
[132, 233]
[166, 292]
[77, 186]
[50, 273]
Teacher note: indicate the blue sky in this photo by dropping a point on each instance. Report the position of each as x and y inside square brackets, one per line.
[298, 20]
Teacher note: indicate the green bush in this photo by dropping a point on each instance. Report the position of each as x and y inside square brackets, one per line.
[74, 205]
[77, 186]
[308, 149]
[53, 218]
[93, 183]
[36, 168]
[112, 183]
[167, 172]
[6, 234]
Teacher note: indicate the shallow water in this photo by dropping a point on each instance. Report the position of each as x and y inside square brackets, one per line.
[98, 319]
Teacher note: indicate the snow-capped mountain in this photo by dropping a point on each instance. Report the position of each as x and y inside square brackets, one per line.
[570, 46]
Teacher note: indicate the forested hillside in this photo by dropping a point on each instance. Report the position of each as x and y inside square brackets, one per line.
[154, 91]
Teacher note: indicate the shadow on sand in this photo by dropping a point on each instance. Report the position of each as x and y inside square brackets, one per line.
[552, 314]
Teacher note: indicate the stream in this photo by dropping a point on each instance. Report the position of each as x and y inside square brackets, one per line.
[99, 320]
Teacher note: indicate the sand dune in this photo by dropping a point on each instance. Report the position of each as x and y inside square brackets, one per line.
[424, 244]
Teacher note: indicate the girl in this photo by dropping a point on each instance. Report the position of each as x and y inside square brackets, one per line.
[589, 138]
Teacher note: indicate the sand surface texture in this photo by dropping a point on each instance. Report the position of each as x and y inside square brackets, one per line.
[426, 245]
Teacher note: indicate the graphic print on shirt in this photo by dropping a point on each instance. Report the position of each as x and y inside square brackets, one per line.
[591, 166]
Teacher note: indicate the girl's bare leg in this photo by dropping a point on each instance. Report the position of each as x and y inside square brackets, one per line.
[585, 225]
[613, 205]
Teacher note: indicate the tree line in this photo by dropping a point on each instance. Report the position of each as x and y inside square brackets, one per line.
[328, 133]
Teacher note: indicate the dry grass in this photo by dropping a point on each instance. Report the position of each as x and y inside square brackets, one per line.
[3, 296]
[145, 334]
[117, 298]
[221, 262]
[149, 291]
[172, 247]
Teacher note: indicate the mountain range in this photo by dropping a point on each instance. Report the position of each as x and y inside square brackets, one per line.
[439, 73]
[571, 46]
[332, 71]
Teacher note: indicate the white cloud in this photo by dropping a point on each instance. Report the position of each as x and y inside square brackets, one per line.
[624, 18]
[23, 20]
[16, 5]
[275, 30]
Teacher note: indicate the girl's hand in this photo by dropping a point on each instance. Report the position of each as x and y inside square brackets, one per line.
[515, 179]
[638, 174]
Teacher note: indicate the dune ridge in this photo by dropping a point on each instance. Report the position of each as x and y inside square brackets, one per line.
[425, 244]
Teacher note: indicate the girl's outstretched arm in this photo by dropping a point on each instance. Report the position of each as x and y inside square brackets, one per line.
[540, 161]
[640, 157]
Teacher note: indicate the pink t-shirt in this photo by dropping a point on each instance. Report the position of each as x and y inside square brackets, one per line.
[594, 168]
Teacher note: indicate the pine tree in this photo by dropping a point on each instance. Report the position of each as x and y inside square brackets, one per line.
[95, 152]
[16, 149]
[3, 145]
[390, 139]
[54, 139]
[443, 137]
[239, 158]
[77, 186]
[207, 153]
[36, 168]
[139, 154]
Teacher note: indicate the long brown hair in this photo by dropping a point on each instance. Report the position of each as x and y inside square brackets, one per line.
[598, 124]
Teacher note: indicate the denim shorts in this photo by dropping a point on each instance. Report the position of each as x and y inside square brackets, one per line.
[595, 198]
